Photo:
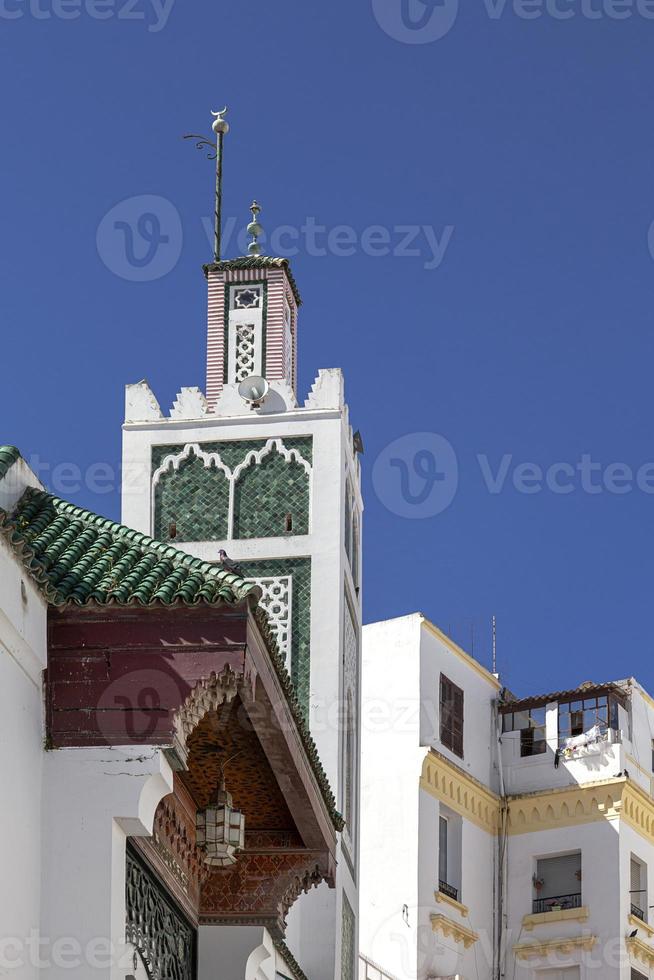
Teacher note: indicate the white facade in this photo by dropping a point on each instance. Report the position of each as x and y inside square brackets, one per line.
[513, 854]
[22, 660]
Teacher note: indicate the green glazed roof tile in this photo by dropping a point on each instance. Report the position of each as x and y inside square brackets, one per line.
[8, 456]
[76, 556]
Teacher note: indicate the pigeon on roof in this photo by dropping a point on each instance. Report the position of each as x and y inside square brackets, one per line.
[228, 565]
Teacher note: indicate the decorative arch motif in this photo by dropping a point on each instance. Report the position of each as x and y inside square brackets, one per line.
[202, 481]
[207, 696]
[271, 489]
[219, 501]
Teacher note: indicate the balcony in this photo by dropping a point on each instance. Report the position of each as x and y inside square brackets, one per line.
[448, 890]
[638, 913]
[557, 903]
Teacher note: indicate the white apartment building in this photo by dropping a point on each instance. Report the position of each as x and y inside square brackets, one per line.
[501, 837]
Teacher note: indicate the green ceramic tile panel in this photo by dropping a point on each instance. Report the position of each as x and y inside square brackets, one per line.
[348, 937]
[195, 498]
[266, 492]
[300, 569]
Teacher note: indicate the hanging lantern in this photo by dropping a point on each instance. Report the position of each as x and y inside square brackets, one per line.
[220, 830]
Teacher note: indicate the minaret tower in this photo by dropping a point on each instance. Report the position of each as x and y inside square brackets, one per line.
[246, 467]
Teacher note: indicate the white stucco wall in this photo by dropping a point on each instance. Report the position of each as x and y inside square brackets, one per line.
[599, 843]
[22, 659]
[402, 662]
[480, 689]
[93, 799]
[391, 764]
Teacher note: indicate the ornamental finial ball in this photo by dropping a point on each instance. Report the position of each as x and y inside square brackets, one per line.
[220, 126]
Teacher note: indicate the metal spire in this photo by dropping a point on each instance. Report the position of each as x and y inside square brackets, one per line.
[494, 629]
[254, 229]
[220, 126]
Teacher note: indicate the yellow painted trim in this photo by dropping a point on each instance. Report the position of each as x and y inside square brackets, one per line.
[461, 934]
[566, 807]
[640, 950]
[565, 945]
[638, 810]
[643, 693]
[460, 653]
[460, 791]
[639, 924]
[442, 897]
[544, 918]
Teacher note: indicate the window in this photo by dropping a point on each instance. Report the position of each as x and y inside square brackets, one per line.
[245, 341]
[638, 888]
[635, 975]
[557, 883]
[531, 725]
[442, 849]
[451, 716]
[578, 717]
[450, 831]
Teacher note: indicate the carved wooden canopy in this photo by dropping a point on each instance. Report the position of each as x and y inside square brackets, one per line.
[202, 683]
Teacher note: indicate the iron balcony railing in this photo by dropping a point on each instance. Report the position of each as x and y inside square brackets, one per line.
[448, 890]
[556, 902]
[639, 914]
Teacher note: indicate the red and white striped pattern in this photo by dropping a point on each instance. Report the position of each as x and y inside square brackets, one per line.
[276, 356]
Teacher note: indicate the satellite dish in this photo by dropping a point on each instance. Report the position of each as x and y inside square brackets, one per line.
[253, 389]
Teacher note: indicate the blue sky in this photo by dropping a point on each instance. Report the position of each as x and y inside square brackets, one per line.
[522, 142]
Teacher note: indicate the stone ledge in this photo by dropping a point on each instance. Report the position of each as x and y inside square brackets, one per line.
[452, 902]
[565, 945]
[563, 915]
[461, 934]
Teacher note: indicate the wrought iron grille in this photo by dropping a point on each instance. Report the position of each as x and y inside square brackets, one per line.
[556, 902]
[165, 940]
[637, 912]
[448, 890]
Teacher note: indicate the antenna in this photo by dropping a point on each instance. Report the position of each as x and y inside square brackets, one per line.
[494, 628]
[220, 127]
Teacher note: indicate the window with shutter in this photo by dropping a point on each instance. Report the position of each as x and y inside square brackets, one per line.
[451, 716]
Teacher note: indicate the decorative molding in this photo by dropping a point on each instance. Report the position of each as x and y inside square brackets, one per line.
[566, 807]
[638, 810]
[140, 403]
[190, 403]
[461, 909]
[564, 946]
[454, 930]
[545, 918]
[639, 924]
[327, 391]
[277, 600]
[460, 791]
[640, 950]
[607, 799]
[207, 695]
